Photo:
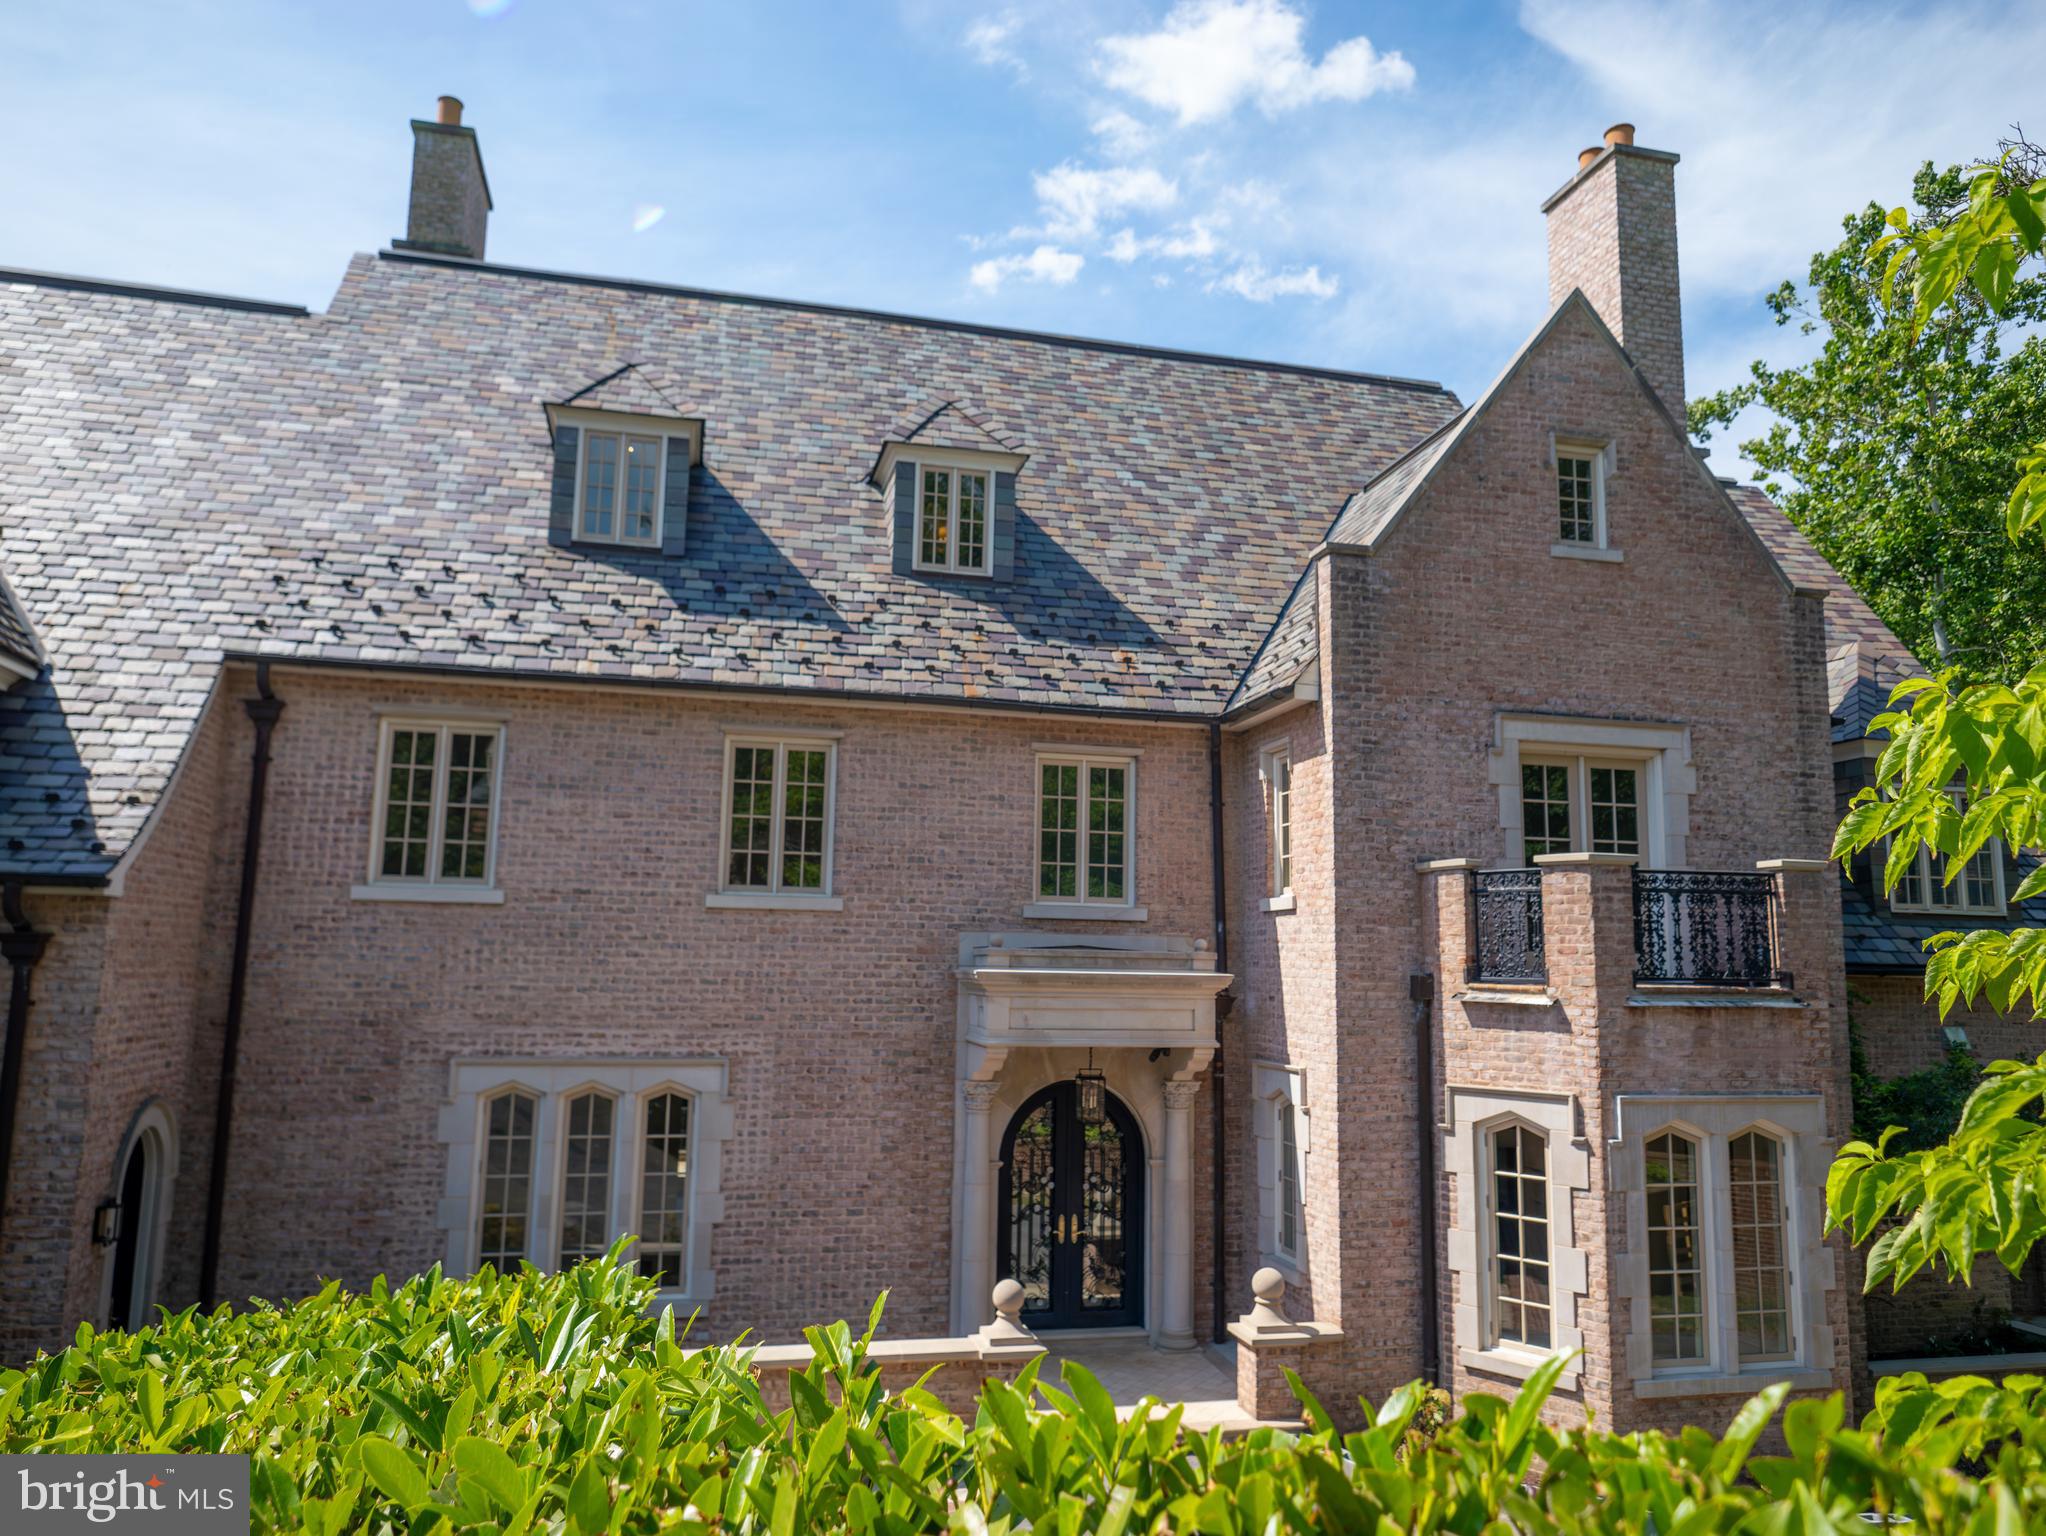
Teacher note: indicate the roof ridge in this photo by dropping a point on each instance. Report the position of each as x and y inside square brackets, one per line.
[113, 285]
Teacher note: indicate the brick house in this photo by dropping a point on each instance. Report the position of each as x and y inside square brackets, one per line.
[858, 801]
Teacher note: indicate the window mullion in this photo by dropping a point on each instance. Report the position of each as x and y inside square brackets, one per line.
[777, 811]
[436, 832]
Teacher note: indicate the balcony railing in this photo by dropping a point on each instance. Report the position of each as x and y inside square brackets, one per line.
[1698, 928]
[1506, 919]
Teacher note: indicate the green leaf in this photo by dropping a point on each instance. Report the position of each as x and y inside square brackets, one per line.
[589, 1497]
[394, 1471]
[486, 1464]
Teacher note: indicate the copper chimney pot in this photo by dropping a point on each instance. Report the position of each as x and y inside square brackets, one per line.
[450, 112]
[1620, 133]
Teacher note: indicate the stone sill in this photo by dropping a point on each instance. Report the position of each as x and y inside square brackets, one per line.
[1712, 997]
[1515, 1363]
[1295, 1336]
[796, 1357]
[1748, 1382]
[1519, 997]
[1283, 902]
[1962, 1365]
[444, 895]
[1586, 552]
[768, 901]
[1082, 911]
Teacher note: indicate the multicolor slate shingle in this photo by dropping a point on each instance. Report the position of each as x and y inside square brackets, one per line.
[183, 481]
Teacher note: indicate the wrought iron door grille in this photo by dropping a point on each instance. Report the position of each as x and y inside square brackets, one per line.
[1506, 923]
[1703, 928]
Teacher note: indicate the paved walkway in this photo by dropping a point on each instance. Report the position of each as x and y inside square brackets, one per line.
[1132, 1370]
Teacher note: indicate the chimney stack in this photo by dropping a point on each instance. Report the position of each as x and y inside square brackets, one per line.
[1613, 234]
[450, 206]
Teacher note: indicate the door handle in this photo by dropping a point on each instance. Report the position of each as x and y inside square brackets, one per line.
[1060, 1231]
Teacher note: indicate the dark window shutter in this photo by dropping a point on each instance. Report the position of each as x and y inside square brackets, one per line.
[675, 499]
[561, 512]
[905, 518]
[1002, 566]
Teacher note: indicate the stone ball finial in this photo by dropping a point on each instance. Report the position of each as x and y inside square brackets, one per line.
[1268, 1286]
[1008, 1299]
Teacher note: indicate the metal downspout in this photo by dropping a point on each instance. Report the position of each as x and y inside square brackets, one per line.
[22, 947]
[263, 711]
[1421, 988]
[1224, 1005]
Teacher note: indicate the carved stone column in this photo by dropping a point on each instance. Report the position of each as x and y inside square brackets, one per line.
[977, 1204]
[1175, 1313]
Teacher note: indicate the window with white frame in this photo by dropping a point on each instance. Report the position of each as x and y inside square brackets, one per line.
[778, 816]
[1519, 1294]
[436, 804]
[619, 486]
[550, 1162]
[1724, 1270]
[1581, 495]
[952, 511]
[1283, 1129]
[1085, 805]
[1278, 777]
[1289, 1206]
[1925, 885]
[1572, 803]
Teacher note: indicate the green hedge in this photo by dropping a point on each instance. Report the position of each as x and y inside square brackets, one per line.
[529, 1403]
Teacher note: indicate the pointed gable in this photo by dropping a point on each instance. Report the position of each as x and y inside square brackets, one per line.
[632, 389]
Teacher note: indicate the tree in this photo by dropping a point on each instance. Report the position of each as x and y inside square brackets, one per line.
[1892, 448]
[1965, 762]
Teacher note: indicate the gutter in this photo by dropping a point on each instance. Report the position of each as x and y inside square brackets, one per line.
[1218, 1072]
[1421, 988]
[263, 711]
[22, 947]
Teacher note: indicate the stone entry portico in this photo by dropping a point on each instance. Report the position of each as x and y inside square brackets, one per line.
[1033, 1008]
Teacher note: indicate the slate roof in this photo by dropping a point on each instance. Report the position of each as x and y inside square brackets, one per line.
[17, 635]
[1879, 940]
[186, 480]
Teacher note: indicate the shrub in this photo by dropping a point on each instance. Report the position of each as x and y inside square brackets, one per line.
[530, 1403]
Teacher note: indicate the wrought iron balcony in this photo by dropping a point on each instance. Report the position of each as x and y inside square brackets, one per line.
[1701, 928]
[1506, 925]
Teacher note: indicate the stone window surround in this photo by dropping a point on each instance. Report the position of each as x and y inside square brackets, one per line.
[1604, 458]
[801, 738]
[1473, 1114]
[1040, 907]
[1279, 897]
[678, 435]
[473, 1082]
[380, 887]
[1272, 1084]
[1798, 1122]
[156, 1132]
[1663, 749]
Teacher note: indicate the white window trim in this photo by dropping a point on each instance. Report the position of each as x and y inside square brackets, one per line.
[677, 435]
[433, 886]
[630, 1081]
[1279, 893]
[773, 896]
[1797, 1122]
[1274, 1084]
[1664, 750]
[1602, 458]
[1125, 908]
[950, 565]
[1474, 1113]
[1931, 866]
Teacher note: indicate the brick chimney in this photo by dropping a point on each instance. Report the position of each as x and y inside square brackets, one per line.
[1613, 233]
[450, 194]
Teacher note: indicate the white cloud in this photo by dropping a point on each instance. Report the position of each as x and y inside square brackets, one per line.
[1211, 56]
[988, 41]
[1122, 135]
[1192, 241]
[1046, 264]
[1251, 281]
[1074, 200]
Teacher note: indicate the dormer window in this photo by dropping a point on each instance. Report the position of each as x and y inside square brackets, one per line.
[951, 520]
[622, 479]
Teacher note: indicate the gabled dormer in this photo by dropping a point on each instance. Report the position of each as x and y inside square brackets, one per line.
[623, 450]
[950, 484]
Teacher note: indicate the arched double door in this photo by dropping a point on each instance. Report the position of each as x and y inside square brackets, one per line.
[1071, 1217]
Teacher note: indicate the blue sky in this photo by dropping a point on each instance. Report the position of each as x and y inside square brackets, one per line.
[1356, 185]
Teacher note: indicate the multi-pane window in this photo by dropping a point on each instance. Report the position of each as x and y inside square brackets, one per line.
[1279, 779]
[778, 831]
[1577, 491]
[437, 803]
[1977, 888]
[619, 488]
[1761, 1266]
[586, 1177]
[1521, 1298]
[952, 519]
[1083, 851]
[1289, 1180]
[1676, 1294]
[506, 1188]
[1580, 805]
[664, 1189]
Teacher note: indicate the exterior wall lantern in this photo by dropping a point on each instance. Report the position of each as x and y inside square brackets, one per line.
[1090, 1089]
[106, 1222]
